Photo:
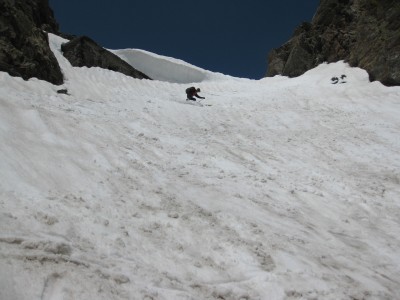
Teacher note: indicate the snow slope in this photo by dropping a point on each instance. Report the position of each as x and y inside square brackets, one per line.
[164, 68]
[282, 189]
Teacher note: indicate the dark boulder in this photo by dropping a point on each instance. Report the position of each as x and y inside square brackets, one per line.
[364, 33]
[84, 52]
[24, 47]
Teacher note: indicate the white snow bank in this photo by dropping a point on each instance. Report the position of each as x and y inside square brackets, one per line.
[165, 68]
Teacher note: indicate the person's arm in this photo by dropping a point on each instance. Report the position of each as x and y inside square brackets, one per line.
[198, 96]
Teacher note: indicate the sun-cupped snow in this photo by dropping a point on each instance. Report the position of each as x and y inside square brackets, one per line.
[282, 189]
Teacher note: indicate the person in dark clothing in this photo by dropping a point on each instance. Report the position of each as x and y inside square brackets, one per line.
[192, 92]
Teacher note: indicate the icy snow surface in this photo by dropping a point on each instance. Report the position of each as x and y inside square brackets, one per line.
[282, 189]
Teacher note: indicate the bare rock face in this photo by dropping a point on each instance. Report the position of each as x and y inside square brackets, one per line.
[84, 52]
[24, 47]
[364, 33]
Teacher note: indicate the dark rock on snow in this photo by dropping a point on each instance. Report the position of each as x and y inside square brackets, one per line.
[24, 47]
[364, 33]
[63, 91]
[84, 52]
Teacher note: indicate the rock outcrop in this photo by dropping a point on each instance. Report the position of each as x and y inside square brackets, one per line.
[364, 33]
[24, 47]
[84, 52]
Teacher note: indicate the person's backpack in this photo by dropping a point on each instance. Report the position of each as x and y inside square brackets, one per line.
[190, 90]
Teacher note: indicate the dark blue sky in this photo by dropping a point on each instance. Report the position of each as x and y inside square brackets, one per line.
[233, 37]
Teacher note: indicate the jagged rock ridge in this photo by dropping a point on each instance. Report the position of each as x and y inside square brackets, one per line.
[364, 33]
[84, 52]
[24, 47]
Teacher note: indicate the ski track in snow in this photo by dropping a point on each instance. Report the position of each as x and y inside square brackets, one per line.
[282, 189]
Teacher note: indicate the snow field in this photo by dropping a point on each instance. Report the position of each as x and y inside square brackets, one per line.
[283, 189]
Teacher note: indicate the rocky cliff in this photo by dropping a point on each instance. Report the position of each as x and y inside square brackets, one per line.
[24, 47]
[25, 51]
[84, 52]
[364, 33]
